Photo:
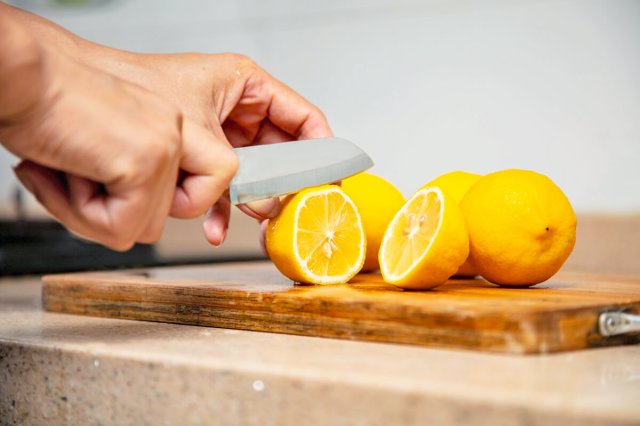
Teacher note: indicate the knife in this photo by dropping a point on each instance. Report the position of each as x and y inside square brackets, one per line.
[272, 170]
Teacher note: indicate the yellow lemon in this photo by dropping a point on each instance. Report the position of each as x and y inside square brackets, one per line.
[377, 201]
[521, 227]
[317, 237]
[426, 241]
[456, 184]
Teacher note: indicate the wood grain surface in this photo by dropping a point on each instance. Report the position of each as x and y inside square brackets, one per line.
[558, 315]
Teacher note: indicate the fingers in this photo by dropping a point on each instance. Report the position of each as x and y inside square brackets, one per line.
[270, 133]
[216, 221]
[208, 164]
[74, 203]
[262, 209]
[80, 190]
[46, 186]
[263, 233]
[267, 102]
[119, 219]
[295, 115]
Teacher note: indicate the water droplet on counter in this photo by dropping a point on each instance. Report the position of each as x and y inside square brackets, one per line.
[258, 385]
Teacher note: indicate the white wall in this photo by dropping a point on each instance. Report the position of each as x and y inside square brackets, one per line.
[431, 86]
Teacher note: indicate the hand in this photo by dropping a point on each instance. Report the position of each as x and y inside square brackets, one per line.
[232, 97]
[225, 99]
[103, 155]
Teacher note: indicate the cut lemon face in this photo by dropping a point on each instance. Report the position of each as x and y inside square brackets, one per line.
[425, 243]
[317, 237]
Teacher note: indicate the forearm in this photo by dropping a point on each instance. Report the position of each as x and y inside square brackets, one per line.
[47, 33]
[57, 40]
[21, 70]
[27, 41]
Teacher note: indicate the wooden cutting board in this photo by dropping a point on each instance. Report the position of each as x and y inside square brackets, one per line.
[558, 315]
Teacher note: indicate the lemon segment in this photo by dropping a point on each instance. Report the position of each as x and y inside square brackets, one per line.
[317, 237]
[426, 241]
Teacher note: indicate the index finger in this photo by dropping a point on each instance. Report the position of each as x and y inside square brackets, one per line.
[295, 115]
[269, 106]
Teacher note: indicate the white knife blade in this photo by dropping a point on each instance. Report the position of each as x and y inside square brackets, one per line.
[272, 170]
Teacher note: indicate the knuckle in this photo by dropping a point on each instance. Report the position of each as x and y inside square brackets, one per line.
[173, 143]
[154, 233]
[161, 150]
[117, 237]
[318, 114]
[123, 244]
[239, 58]
[229, 165]
[123, 170]
[125, 234]
[242, 63]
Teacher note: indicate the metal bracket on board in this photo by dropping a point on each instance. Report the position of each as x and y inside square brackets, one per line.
[616, 323]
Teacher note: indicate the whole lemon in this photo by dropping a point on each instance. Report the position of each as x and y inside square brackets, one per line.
[521, 227]
[377, 201]
[456, 184]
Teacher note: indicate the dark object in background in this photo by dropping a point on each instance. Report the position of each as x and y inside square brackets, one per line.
[45, 246]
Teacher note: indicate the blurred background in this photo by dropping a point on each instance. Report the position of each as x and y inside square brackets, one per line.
[425, 87]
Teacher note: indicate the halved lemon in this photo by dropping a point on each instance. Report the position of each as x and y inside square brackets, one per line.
[317, 237]
[426, 241]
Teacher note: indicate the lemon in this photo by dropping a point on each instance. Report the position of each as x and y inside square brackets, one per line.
[377, 201]
[317, 237]
[521, 227]
[426, 241]
[456, 184]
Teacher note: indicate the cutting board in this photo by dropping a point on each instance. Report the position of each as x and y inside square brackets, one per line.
[558, 315]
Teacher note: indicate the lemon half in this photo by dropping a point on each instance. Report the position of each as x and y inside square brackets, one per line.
[317, 237]
[425, 243]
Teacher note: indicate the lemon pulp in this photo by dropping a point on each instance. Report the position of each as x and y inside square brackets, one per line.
[317, 237]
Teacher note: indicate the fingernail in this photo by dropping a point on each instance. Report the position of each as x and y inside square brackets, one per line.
[216, 235]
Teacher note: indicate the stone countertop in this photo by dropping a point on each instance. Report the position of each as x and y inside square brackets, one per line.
[65, 369]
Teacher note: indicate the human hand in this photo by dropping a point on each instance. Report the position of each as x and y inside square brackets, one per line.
[225, 93]
[103, 155]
